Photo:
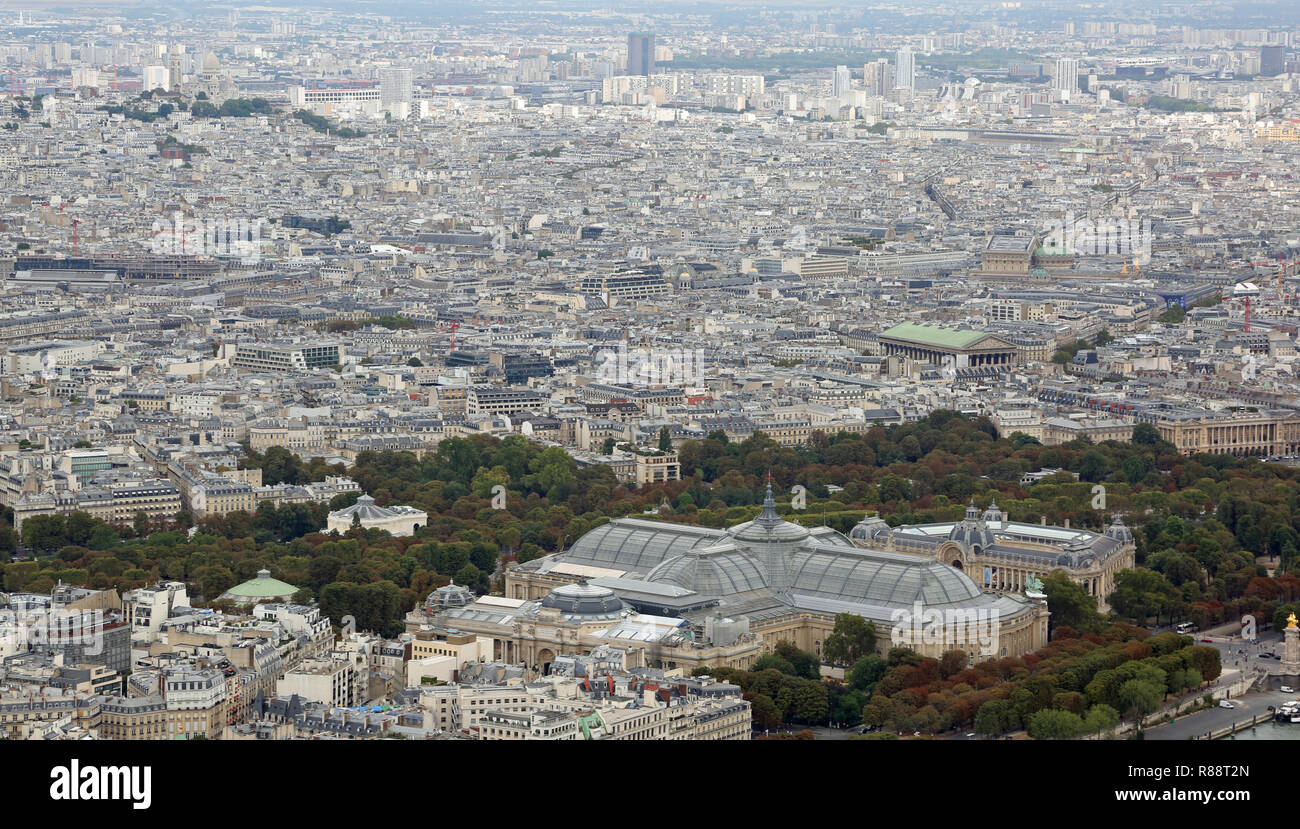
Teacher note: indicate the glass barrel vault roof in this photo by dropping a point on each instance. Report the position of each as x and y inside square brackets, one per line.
[630, 544]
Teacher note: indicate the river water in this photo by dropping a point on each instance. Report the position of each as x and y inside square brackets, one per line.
[1269, 731]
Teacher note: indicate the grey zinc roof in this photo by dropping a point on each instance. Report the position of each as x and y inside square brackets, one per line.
[1070, 547]
[365, 508]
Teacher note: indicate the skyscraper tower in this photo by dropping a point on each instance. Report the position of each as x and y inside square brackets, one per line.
[1272, 60]
[878, 77]
[396, 86]
[641, 53]
[905, 73]
[1067, 77]
[841, 82]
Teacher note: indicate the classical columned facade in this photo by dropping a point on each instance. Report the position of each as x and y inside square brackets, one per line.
[1001, 556]
[957, 347]
[1010, 573]
[1276, 433]
[964, 359]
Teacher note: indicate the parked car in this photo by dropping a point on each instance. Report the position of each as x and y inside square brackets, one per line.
[1227, 703]
[1287, 689]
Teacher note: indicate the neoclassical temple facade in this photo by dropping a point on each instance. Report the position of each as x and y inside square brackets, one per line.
[1001, 556]
[694, 596]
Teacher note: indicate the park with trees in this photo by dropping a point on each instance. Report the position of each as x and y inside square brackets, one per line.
[1216, 537]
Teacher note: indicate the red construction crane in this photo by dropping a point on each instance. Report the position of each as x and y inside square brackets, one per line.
[452, 328]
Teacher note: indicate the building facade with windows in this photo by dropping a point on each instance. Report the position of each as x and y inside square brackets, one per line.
[286, 357]
[1001, 556]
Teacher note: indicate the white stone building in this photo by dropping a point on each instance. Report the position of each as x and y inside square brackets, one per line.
[398, 520]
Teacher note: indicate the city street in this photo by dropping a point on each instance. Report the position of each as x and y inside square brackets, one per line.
[1212, 720]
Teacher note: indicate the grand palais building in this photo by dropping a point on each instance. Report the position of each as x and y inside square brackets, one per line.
[682, 596]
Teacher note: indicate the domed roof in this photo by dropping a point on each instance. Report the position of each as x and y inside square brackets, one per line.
[993, 515]
[1118, 531]
[637, 545]
[365, 509]
[712, 573]
[584, 599]
[973, 531]
[870, 528]
[768, 526]
[449, 595]
[259, 589]
[879, 578]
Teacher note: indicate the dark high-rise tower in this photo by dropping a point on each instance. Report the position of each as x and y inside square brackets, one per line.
[1272, 60]
[641, 53]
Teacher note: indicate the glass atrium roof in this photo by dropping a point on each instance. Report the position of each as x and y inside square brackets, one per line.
[878, 578]
[712, 573]
[630, 544]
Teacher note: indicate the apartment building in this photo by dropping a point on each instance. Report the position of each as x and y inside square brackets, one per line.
[147, 608]
[133, 718]
[25, 714]
[532, 725]
[329, 681]
[196, 703]
[113, 503]
[219, 496]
